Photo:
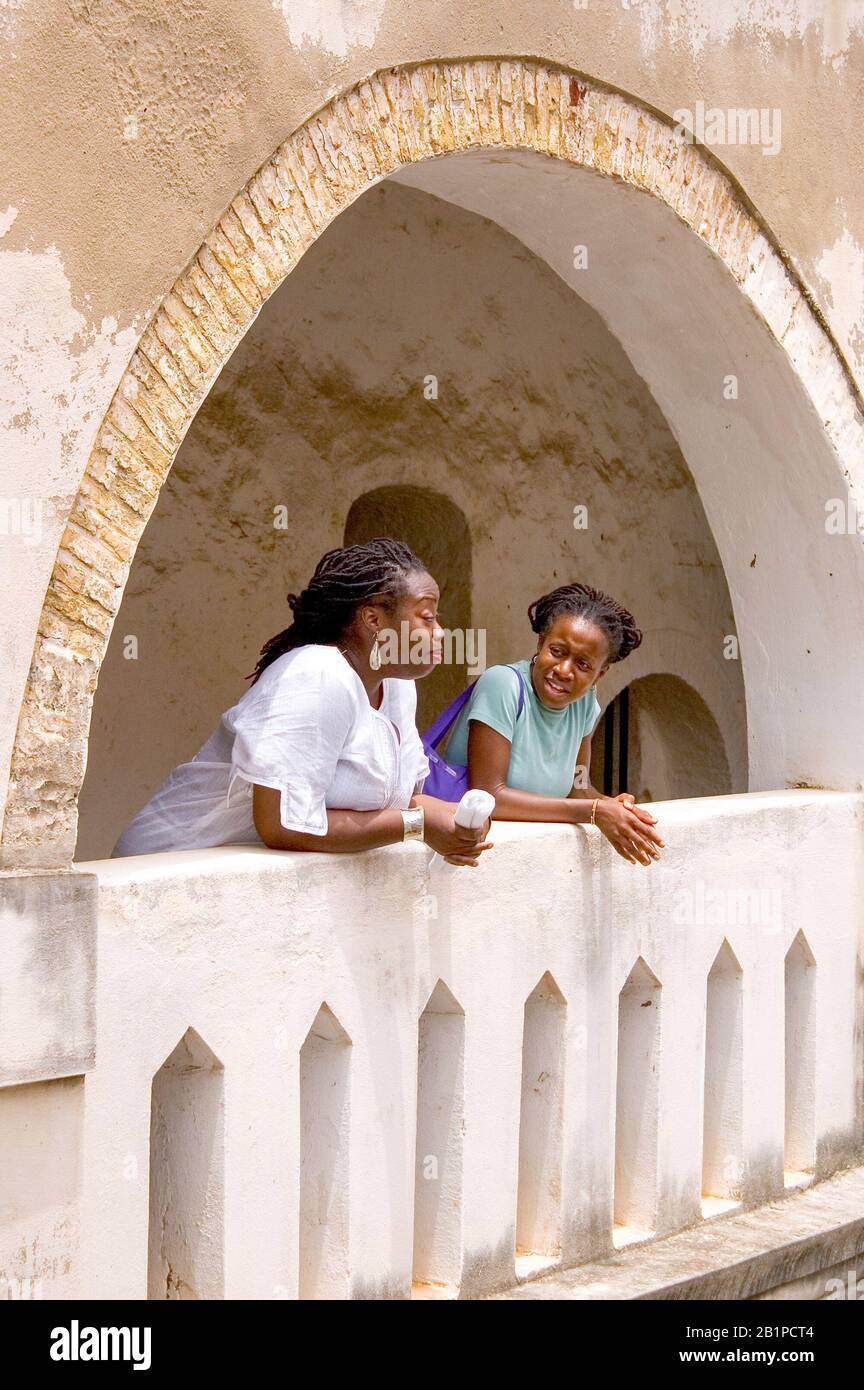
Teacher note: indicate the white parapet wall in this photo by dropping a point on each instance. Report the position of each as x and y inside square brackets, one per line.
[344, 1077]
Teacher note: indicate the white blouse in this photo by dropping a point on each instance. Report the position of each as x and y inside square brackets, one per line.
[305, 727]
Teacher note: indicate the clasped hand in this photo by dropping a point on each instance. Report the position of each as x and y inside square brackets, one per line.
[629, 828]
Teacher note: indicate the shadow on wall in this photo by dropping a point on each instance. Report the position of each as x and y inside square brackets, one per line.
[659, 740]
[436, 530]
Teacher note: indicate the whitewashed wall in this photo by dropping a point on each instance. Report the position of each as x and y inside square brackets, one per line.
[298, 998]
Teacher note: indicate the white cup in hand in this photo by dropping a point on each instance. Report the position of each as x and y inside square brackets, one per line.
[474, 809]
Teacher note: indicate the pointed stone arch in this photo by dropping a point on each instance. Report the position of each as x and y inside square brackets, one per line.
[397, 117]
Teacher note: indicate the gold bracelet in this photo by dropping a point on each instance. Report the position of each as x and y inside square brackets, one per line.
[413, 824]
[594, 809]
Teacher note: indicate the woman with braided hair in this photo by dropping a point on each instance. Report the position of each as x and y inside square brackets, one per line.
[322, 751]
[526, 730]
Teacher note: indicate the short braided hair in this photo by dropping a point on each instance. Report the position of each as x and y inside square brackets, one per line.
[343, 581]
[581, 601]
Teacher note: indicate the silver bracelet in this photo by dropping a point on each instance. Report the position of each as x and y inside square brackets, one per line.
[413, 824]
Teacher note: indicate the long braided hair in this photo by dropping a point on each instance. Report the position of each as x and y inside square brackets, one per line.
[581, 601]
[343, 581]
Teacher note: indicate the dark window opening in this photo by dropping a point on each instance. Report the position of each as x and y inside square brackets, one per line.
[616, 744]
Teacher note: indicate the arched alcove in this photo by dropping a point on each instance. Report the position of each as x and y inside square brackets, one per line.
[637, 1105]
[187, 1174]
[618, 175]
[437, 531]
[438, 1216]
[317, 421]
[659, 739]
[325, 1121]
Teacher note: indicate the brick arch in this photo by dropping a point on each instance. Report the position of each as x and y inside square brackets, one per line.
[397, 117]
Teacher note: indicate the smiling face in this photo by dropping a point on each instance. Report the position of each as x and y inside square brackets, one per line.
[571, 656]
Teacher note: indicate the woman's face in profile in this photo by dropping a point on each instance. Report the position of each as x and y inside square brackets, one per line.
[411, 638]
[571, 655]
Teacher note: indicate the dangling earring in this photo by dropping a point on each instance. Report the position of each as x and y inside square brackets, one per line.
[375, 655]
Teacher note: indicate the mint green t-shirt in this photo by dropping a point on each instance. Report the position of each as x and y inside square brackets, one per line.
[544, 743]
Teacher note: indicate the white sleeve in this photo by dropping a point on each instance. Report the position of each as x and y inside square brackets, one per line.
[414, 753]
[291, 739]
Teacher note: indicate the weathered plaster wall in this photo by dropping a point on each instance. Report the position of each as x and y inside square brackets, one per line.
[41, 1130]
[129, 126]
[244, 944]
[538, 410]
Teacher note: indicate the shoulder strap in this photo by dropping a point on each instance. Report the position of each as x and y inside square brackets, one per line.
[521, 689]
[447, 718]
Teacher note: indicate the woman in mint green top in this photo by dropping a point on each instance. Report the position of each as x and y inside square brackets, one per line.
[529, 753]
[544, 742]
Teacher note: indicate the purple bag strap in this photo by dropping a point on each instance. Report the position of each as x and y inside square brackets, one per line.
[521, 689]
[447, 718]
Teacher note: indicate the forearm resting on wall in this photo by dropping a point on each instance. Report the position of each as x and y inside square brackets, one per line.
[347, 831]
[511, 804]
[582, 793]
